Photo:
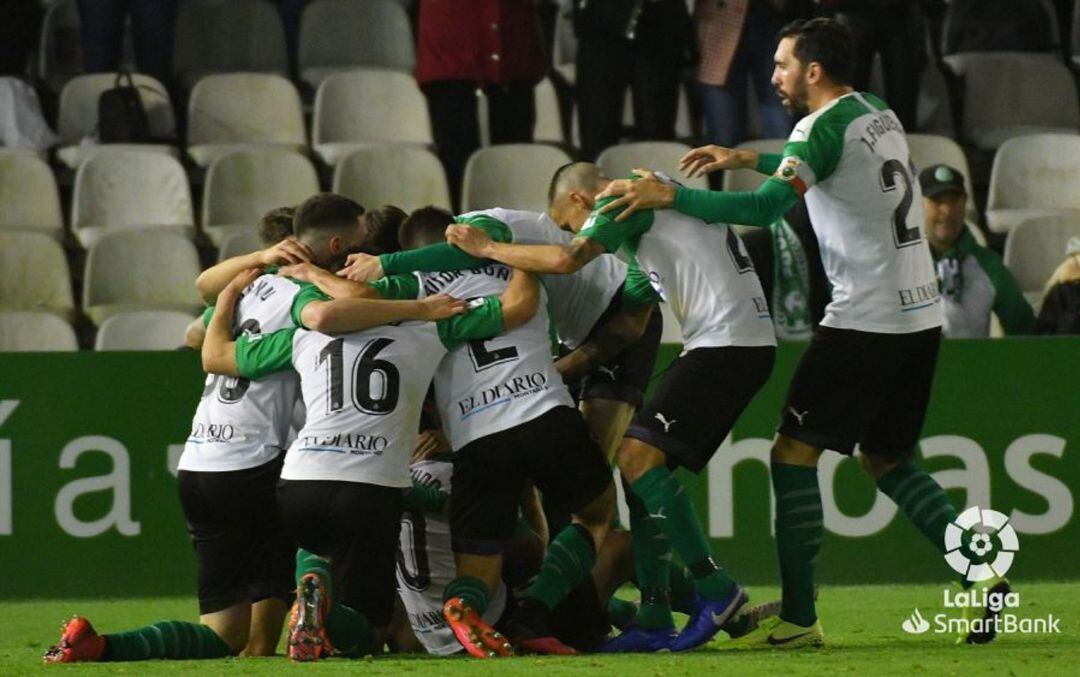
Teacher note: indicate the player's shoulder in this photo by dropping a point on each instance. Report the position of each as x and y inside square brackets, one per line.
[835, 116]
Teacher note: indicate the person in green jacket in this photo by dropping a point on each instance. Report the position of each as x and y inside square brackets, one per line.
[974, 281]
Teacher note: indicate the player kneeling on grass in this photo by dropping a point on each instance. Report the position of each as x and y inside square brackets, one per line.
[363, 392]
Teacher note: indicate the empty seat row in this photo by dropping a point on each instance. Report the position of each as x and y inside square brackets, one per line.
[334, 35]
[36, 331]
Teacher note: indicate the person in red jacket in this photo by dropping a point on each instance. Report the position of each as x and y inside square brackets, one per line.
[496, 46]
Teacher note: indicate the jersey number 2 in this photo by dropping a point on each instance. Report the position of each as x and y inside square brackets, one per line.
[890, 171]
[376, 383]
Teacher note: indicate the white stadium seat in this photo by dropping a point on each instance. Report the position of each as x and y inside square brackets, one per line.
[35, 274]
[238, 243]
[243, 185]
[28, 196]
[227, 36]
[340, 35]
[59, 54]
[140, 270]
[143, 330]
[1011, 94]
[237, 111]
[29, 331]
[368, 106]
[1035, 248]
[514, 176]
[130, 189]
[1034, 175]
[748, 179]
[619, 161]
[78, 116]
[407, 176]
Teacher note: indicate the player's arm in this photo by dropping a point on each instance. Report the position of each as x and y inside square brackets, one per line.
[195, 333]
[328, 283]
[213, 280]
[519, 300]
[433, 258]
[219, 348]
[423, 498]
[538, 258]
[706, 159]
[357, 314]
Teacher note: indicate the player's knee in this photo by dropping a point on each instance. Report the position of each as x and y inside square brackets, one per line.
[793, 452]
[636, 459]
[879, 465]
[599, 513]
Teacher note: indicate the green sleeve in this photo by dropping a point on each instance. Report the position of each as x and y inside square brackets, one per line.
[405, 287]
[811, 156]
[308, 293]
[264, 354]
[768, 163]
[760, 208]
[637, 290]
[443, 256]
[424, 498]
[483, 321]
[604, 229]
[207, 315]
[1011, 307]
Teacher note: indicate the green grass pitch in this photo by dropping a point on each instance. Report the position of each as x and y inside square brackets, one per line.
[862, 627]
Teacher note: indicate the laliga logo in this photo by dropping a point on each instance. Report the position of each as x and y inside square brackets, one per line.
[991, 523]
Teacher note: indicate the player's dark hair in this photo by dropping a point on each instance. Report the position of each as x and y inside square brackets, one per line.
[424, 226]
[826, 41]
[553, 188]
[326, 212]
[383, 227]
[276, 225]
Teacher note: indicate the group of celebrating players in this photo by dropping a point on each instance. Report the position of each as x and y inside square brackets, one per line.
[444, 488]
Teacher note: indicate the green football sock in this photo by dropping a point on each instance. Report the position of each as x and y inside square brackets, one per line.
[620, 612]
[923, 501]
[167, 639]
[683, 589]
[349, 631]
[669, 505]
[471, 590]
[308, 562]
[799, 528]
[569, 559]
[652, 555]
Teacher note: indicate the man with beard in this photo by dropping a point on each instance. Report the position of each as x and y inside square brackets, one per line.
[866, 376]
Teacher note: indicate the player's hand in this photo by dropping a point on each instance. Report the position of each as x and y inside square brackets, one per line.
[238, 284]
[472, 240]
[701, 161]
[440, 307]
[362, 268]
[305, 272]
[428, 444]
[288, 251]
[648, 192]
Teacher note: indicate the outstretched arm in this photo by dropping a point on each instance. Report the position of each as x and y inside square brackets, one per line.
[538, 258]
[356, 314]
[219, 348]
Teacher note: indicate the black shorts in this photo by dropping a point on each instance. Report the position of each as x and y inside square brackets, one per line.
[356, 526]
[698, 400]
[854, 387]
[626, 376]
[553, 451]
[242, 552]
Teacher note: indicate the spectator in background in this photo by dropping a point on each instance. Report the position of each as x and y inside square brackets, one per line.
[737, 40]
[494, 45]
[152, 23]
[973, 280]
[642, 44]
[895, 29]
[1060, 312]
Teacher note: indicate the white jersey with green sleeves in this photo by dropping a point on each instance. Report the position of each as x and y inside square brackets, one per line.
[701, 270]
[577, 300]
[425, 566]
[485, 387]
[851, 160]
[241, 423]
[363, 392]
